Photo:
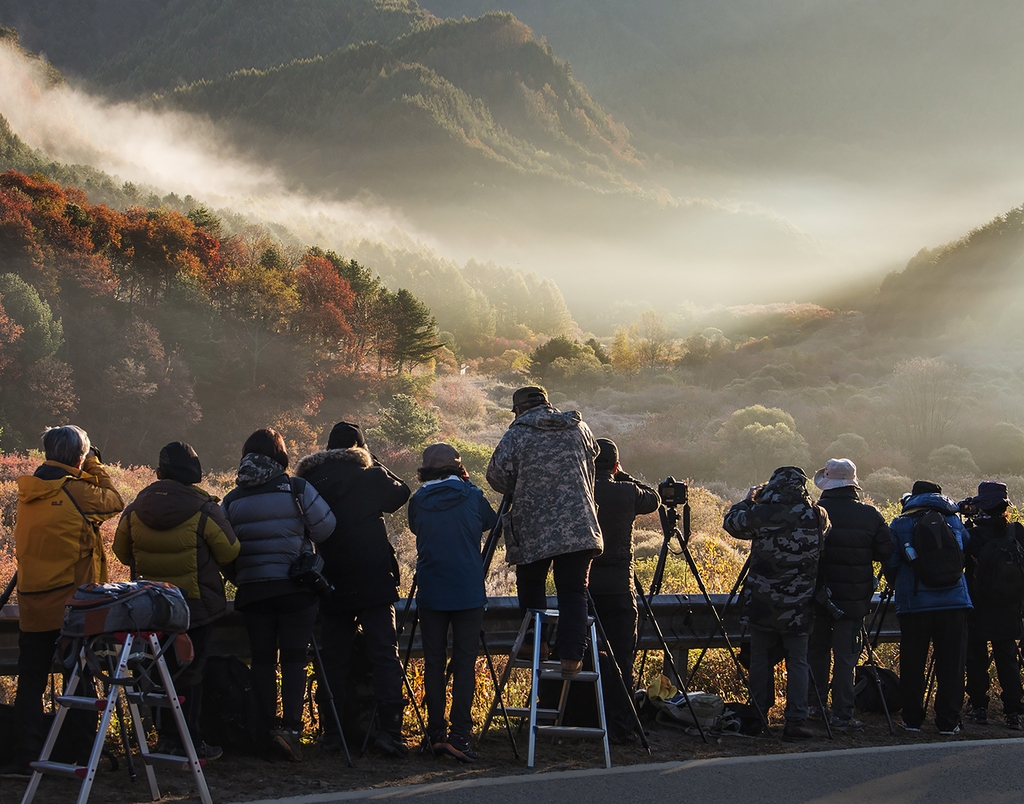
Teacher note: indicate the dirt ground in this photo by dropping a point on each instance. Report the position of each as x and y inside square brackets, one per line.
[239, 779]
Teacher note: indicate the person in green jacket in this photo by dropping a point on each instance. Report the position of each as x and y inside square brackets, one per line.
[175, 532]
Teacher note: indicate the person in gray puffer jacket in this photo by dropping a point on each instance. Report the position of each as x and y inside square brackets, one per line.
[274, 518]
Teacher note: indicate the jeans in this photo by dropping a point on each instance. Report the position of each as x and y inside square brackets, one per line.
[571, 572]
[285, 623]
[465, 626]
[946, 632]
[762, 672]
[839, 640]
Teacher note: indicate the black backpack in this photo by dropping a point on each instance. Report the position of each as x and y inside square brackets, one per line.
[231, 716]
[865, 689]
[999, 576]
[939, 562]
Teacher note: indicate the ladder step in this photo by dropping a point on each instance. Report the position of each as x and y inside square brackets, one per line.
[580, 732]
[81, 702]
[524, 711]
[556, 675]
[60, 769]
[153, 698]
[170, 761]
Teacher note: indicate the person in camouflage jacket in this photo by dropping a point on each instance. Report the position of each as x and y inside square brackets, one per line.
[786, 531]
[546, 459]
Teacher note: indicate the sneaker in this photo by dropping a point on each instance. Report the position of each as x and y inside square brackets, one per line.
[978, 715]
[797, 730]
[435, 742]
[1013, 721]
[571, 667]
[15, 770]
[950, 731]
[286, 742]
[845, 724]
[814, 713]
[209, 752]
[623, 737]
[459, 747]
[391, 744]
[908, 727]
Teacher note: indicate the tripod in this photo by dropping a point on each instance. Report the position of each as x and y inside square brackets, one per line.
[677, 494]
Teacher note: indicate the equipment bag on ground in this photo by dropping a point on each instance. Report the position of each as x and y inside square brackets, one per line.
[865, 689]
[129, 606]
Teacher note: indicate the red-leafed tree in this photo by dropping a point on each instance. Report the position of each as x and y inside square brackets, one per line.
[325, 304]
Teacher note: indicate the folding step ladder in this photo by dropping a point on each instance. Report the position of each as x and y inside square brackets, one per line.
[542, 721]
[140, 654]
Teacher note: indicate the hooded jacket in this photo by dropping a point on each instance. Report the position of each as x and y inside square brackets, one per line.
[57, 538]
[914, 597]
[858, 537]
[546, 460]
[358, 559]
[448, 517]
[272, 531]
[785, 530]
[620, 498]
[176, 533]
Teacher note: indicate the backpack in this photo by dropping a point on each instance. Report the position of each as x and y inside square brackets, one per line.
[999, 576]
[231, 715]
[939, 560]
[128, 606]
[708, 710]
[865, 689]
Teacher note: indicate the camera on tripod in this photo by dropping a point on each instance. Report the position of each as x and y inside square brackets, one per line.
[672, 492]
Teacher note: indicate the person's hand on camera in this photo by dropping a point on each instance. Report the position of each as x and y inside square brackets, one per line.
[94, 453]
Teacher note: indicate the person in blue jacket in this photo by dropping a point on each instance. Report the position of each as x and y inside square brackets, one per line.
[448, 515]
[929, 616]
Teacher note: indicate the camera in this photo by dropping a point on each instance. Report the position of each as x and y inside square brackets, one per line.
[968, 508]
[672, 492]
[308, 571]
[824, 597]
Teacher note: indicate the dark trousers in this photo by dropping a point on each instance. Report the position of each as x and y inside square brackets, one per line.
[35, 664]
[840, 642]
[946, 632]
[465, 626]
[378, 623]
[571, 572]
[1004, 651]
[281, 624]
[618, 616]
[189, 684]
[764, 647]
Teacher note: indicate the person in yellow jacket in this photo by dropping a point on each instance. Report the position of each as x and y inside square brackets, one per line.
[175, 532]
[58, 547]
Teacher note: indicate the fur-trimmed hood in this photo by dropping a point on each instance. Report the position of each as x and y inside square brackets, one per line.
[358, 456]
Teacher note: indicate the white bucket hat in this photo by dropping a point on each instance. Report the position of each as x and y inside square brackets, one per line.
[838, 473]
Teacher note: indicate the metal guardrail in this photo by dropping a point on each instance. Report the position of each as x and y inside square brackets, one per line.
[685, 620]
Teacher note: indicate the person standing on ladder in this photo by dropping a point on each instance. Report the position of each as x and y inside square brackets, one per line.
[620, 499]
[59, 548]
[546, 459]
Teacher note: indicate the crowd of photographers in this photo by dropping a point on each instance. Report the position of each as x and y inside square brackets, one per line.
[314, 544]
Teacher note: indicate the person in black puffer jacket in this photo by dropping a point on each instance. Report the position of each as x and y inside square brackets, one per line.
[360, 563]
[996, 614]
[859, 536]
[620, 498]
[273, 528]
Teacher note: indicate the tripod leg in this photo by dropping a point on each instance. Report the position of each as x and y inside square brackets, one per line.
[322, 676]
[821, 701]
[929, 680]
[728, 602]
[500, 700]
[873, 662]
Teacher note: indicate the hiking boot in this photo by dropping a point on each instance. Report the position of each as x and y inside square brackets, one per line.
[978, 715]
[797, 730]
[15, 770]
[950, 731]
[623, 737]
[391, 744]
[1013, 721]
[814, 713]
[435, 742]
[571, 667]
[845, 724]
[458, 746]
[286, 742]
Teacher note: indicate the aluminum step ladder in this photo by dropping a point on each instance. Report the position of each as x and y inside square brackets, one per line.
[140, 654]
[545, 722]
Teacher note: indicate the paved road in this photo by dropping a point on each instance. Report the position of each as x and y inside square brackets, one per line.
[982, 771]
